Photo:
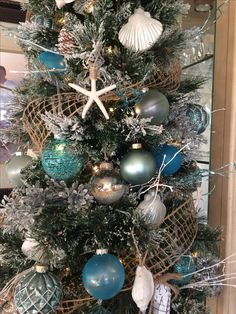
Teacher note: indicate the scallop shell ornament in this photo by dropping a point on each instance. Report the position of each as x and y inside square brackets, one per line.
[141, 32]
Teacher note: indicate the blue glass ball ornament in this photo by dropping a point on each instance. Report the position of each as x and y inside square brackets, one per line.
[103, 276]
[53, 61]
[168, 151]
[199, 117]
[138, 166]
[38, 292]
[184, 266]
[60, 160]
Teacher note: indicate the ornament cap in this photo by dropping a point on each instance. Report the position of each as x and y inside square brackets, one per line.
[106, 166]
[137, 146]
[101, 251]
[41, 268]
[18, 153]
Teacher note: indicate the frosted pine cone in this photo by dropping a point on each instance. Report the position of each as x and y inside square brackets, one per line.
[65, 42]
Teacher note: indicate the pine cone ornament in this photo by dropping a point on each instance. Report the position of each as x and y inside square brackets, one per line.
[65, 42]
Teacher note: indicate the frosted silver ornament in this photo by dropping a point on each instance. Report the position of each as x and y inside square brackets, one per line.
[143, 288]
[151, 209]
[141, 32]
[162, 300]
[34, 251]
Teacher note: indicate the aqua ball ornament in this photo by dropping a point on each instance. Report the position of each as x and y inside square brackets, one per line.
[53, 61]
[138, 166]
[103, 275]
[14, 167]
[173, 159]
[153, 104]
[38, 292]
[186, 267]
[199, 117]
[60, 160]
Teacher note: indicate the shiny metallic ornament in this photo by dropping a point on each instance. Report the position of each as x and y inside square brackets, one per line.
[151, 209]
[141, 32]
[143, 288]
[199, 117]
[107, 186]
[38, 292]
[60, 160]
[153, 105]
[14, 167]
[138, 166]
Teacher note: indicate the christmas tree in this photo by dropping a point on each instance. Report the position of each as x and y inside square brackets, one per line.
[104, 221]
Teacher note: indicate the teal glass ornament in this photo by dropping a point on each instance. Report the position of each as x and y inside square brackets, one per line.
[138, 166]
[14, 167]
[199, 117]
[172, 160]
[184, 266]
[38, 292]
[153, 104]
[53, 61]
[60, 160]
[103, 275]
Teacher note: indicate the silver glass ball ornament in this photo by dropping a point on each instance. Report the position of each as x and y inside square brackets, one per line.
[153, 105]
[107, 186]
[38, 292]
[138, 166]
[14, 167]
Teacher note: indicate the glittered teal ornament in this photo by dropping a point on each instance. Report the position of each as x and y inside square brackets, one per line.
[103, 275]
[199, 117]
[60, 160]
[38, 292]
[138, 166]
[14, 167]
[153, 104]
[184, 266]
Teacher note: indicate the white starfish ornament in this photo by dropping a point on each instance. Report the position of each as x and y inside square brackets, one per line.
[93, 94]
[60, 3]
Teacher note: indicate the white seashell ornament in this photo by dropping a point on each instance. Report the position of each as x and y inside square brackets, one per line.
[151, 209]
[141, 32]
[32, 249]
[143, 288]
[60, 3]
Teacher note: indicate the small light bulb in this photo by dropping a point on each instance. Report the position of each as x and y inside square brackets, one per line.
[95, 168]
[110, 50]
[111, 109]
[195, 254]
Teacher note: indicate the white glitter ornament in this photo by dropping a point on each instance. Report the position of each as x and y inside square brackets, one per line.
[32, 249]
[143, 288]
[151, 209]
[141, 32]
